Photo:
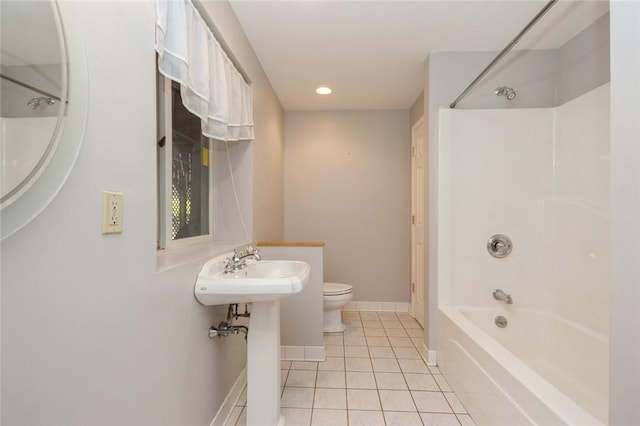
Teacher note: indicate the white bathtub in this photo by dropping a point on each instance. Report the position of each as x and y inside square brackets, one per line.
[541, 369]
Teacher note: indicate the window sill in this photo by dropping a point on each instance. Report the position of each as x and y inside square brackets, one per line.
[174, 257]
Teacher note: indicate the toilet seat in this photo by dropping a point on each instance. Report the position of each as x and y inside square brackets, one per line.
[336, 289]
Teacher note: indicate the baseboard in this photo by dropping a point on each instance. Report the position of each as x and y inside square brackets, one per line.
[302, 353]
[430, 357]
[377, 306]
[230, 401]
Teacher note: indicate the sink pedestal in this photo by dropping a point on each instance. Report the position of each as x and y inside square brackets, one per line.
[263, 365]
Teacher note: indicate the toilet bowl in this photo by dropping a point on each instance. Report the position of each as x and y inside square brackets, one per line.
[336, 296]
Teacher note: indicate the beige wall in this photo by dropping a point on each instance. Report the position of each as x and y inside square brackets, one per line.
[416, 111]
[92, 332]
[347, 182]
[625, 219]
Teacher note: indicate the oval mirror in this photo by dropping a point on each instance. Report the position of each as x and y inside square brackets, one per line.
[41, 110]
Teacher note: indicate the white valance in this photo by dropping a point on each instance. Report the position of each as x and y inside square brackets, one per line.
[210, 86]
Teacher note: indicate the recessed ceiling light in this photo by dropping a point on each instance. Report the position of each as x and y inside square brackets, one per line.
[323, 90]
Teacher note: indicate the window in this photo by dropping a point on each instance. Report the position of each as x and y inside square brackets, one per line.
[184, 192]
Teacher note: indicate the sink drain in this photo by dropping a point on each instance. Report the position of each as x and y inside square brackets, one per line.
[501, 321]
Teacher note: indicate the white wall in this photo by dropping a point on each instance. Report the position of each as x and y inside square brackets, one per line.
[347, 180]
[625, 205]
[91, 332]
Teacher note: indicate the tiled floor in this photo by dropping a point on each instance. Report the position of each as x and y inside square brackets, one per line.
[373, 375]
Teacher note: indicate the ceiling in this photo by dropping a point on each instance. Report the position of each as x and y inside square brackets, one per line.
[372, 53]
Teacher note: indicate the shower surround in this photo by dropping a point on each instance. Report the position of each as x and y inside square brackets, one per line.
[541, 177]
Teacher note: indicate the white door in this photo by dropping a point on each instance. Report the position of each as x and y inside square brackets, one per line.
[418, 197]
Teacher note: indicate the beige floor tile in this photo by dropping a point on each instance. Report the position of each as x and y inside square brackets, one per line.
[391, 381]
[385, 365]
[431, 402]
[363, 399]
[455, 403]
[378, 341]
[442, 382]
[350, 315]
[333, 351]
[465, 420]
[401, 342]
[331, 364]
[373, 370]
[356, 352]
[331, 379]
[411, 324]
[376, 324]
[297, 397]
[396, 400]
[436, 419]
[331, 339]
[374, 332]
[330, 398]
[396, 332]
[406, 353]
[413, 366]
[369, 316]
[297, 416]
[381, 352]
[434, 369]
[395, 418]
[366, 418]
[358, 364]
[353, 324]
[301, 378]
[353, 332]
[415, 332]
[423, 382]
[324, 417]
[304, 365]
[354, 341]
[392, 324]
[360, 380]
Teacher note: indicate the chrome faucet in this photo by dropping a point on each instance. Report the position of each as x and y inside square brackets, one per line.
[501, 295]
[239, 260]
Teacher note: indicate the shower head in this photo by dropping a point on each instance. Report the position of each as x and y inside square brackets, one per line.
[35, 102]
[505, 91]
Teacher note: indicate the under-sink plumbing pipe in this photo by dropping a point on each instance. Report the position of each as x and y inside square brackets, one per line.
[224, 328]
[233, 312]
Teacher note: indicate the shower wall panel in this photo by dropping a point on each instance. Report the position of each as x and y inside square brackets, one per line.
[540, 176]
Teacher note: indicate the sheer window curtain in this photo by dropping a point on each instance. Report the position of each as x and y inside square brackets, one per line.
[210, 86]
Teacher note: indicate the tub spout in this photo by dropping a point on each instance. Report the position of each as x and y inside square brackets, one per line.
[501, 295]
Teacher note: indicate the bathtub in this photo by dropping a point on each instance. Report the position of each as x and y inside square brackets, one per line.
[539, 370]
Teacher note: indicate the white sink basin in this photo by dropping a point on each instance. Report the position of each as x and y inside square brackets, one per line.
[257, 282]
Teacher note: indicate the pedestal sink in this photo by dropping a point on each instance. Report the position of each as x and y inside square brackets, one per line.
[262, 284]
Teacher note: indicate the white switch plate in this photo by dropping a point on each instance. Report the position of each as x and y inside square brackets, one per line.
[112, 209]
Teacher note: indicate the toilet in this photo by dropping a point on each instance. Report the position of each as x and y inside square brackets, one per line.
[336, 296]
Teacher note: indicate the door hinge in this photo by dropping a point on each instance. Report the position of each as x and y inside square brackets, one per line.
[413, 219]
[413, 151]
[413, 287]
